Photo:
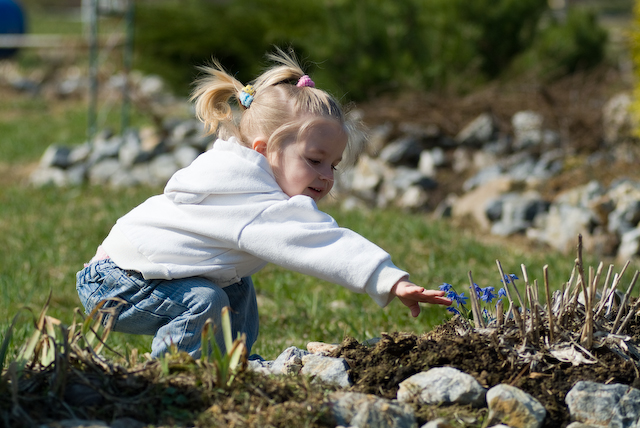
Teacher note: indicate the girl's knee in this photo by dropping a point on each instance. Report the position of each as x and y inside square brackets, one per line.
[207, 299]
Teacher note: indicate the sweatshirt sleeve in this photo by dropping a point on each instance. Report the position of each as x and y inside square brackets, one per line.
[294, 234]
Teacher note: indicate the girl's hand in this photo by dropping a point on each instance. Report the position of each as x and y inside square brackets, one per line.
[411, 295]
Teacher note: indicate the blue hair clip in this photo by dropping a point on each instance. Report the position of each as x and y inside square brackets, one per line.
[246, 96]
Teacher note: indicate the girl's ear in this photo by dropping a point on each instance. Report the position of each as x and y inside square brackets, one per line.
[260, 146]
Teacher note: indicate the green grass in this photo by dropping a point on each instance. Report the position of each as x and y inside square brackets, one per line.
[49, 233]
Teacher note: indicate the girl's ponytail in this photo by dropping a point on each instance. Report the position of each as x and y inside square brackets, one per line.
[212, 94]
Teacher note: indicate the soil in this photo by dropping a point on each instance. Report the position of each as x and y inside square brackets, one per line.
[380, 369]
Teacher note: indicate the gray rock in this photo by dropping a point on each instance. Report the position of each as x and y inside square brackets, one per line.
[101, 172]
[124, 179]
[561, 225]
[629, 245]
[48, 176]
[430, 160]
[404, 151]
[413, 197]
[403, 178]
[140, 173]
[616, 118]
[290, 356]
[462, 160]
[527, 129]
[186, 129]
[548, 165]
[523, 169]
[613, 405]
[105, 148]
[72, 86]
[330, 370]
[260, 366]
[80, 153]
[55, 156]
[151, 85]
[479, 131]
[442, 385]
[474, 203]
[625, 196]
[354, 409]
[76, 174]
[437, 423]
[624, 217]
[367, 176]
[163, 167]
[378, 138]
[483, 176]
[515, 212]
[515, 407]
[582, 196]
[581, 425]
[184, 155]
[131, 151]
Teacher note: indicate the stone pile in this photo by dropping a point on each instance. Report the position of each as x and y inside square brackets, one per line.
[405, 165]
[590, 404]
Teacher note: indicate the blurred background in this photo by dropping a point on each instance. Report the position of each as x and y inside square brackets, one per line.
[362, 48]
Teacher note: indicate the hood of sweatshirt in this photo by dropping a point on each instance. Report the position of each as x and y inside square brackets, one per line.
[193, 184]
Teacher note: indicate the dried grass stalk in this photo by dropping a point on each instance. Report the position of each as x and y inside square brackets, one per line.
[545, 270]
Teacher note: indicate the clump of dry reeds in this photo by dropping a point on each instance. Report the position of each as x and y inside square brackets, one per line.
[588, 312]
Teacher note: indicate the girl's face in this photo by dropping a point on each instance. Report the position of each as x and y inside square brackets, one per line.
[306, 166]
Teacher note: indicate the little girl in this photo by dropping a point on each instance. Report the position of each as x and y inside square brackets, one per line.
[180, 257]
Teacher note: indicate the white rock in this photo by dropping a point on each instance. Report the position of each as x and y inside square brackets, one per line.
[330, 370]
[612, 405]
[514, 406]
[354, 409]
[442, 385]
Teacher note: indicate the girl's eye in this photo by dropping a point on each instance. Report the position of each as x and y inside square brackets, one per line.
[313, 161]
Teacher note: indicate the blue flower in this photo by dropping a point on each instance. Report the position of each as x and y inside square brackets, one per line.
[509, 278]
[458, 298]
[454, 310]
[445, 287]
[477, 288]
[502, 292]
[487, 295]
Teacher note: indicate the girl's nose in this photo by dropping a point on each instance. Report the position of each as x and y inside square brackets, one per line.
[326, 173]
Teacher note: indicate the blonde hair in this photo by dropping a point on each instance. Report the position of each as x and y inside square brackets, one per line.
[277, 103]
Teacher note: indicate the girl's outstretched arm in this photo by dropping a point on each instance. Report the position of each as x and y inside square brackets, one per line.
[411, 295]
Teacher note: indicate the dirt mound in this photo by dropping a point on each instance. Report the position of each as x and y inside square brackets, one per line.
[379, 370]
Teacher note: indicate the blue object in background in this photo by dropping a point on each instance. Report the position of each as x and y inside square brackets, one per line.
[11, 22]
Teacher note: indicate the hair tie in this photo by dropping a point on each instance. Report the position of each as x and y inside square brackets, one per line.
[305, 81]
[246, 96]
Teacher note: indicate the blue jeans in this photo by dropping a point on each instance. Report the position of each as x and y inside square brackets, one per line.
[173, 311]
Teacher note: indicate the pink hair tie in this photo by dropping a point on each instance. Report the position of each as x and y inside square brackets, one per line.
[305, 81]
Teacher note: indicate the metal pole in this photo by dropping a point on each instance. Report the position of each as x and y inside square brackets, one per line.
[127, 60]
[93, 69]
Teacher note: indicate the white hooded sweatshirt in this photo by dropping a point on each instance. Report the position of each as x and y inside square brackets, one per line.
[224, 217]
